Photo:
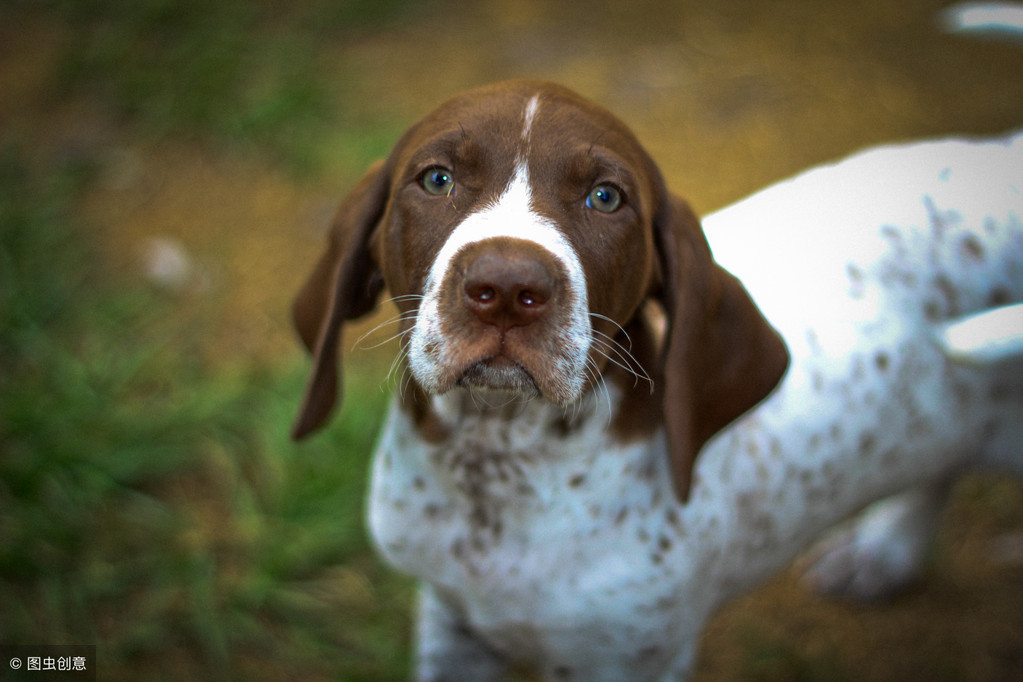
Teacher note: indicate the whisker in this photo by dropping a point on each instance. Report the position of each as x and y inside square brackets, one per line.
[484, 403]
[396, 319]
[402, 316]
[620, 328]
[625, 359]
[601, 388]
[405, 382]
[406, 297]
[395, 300]
[397, 363]
[386, 341]
[619, 356]
[477, 400]
[608, 345]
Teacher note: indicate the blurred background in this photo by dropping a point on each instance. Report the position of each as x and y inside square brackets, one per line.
[168, 169]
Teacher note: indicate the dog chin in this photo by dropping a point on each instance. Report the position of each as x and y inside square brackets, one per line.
[500, 375]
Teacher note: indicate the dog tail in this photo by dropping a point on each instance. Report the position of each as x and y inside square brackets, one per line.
[995, 19]
[988, 337]
[994, 335]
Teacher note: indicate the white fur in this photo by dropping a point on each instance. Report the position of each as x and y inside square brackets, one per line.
[529, 116]
[572, 553]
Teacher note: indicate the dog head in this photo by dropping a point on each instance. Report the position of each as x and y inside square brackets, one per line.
[521, 231]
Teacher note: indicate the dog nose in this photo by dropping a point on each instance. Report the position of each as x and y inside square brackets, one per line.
[507, 290]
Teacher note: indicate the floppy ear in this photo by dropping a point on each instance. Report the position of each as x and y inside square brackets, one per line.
[720, 356]
[344, 285]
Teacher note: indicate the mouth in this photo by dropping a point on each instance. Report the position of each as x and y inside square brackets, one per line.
[500, 373]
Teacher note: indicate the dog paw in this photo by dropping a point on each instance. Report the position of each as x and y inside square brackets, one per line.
[877, 555]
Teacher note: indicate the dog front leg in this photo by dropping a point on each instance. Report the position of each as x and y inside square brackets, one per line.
[882, 550]
[446, 649]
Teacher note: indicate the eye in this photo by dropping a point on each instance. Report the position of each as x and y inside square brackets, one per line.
[604, 198]
[437, 181]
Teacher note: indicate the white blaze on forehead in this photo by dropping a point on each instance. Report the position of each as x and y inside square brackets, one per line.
[529, 115]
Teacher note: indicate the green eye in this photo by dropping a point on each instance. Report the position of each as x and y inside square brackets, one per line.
[604, 198]
[438, 181]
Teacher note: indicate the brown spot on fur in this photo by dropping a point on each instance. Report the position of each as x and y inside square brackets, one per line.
[671, 516]
[972, 248]
[651, 651]
[999, 297]
[856, 278]
[949, 292]
[867, 444]
[1000, 393]
[563, 672]
[941, 221]
[836, 432]
[882, 361]
[815, 442]
[567, 424]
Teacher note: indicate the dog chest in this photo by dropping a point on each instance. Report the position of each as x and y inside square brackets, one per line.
[523, 528]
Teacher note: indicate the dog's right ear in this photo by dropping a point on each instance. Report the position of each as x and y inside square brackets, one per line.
[720, 356]
[343, 286]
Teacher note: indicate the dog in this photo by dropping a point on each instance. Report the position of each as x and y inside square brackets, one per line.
[571, 339]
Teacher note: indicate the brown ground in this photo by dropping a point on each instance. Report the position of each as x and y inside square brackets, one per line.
[729, 96]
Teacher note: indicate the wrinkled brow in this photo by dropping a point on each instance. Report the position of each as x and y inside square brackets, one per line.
[440, 148]
[592, 164]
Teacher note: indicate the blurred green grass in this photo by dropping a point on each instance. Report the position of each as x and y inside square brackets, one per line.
[152, 504]
[150, 501]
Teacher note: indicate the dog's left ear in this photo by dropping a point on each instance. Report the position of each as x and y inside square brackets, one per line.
[343, 286]
[720, 356]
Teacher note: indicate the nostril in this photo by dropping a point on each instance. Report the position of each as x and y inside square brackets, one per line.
[530, 299]
[481, 293]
